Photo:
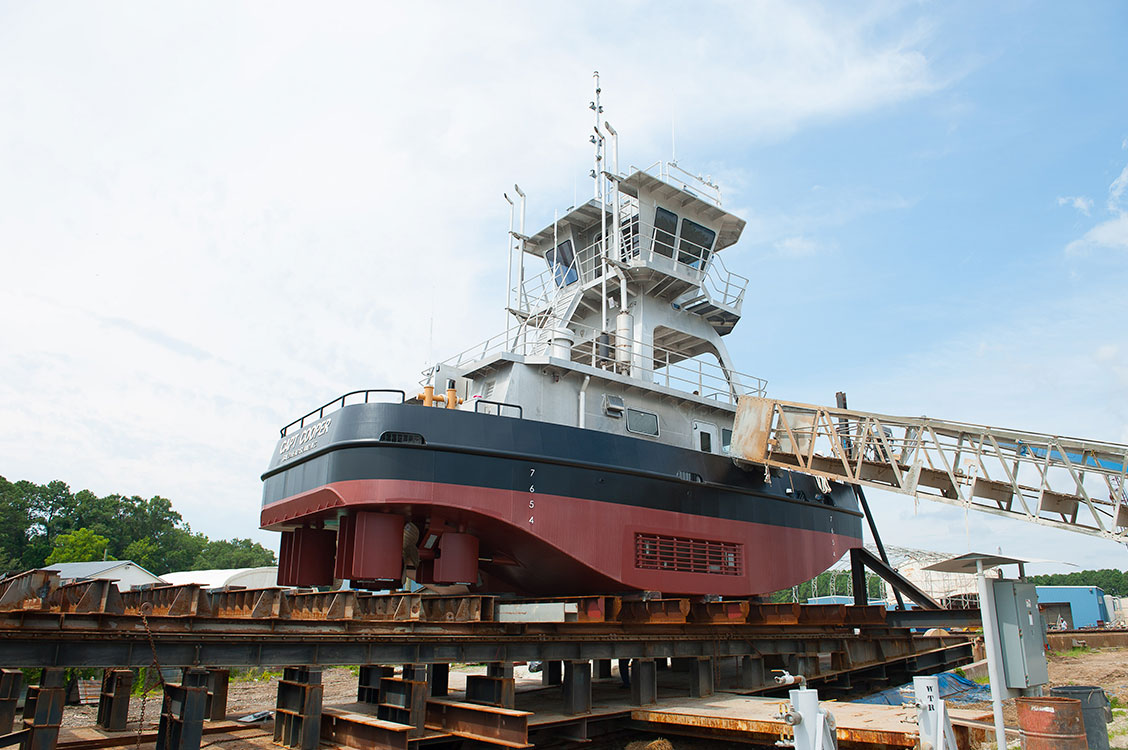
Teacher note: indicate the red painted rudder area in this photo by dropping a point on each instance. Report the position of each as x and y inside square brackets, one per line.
[306, 557]
[458, 559]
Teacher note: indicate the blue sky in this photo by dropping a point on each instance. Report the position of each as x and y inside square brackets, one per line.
[214, 218]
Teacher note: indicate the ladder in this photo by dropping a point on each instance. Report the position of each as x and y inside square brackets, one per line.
[1045, 479]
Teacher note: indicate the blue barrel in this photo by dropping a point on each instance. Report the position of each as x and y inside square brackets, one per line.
[1095, 710]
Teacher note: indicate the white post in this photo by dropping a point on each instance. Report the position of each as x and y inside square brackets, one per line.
[509, 266]
[991, 641]
[521, 252]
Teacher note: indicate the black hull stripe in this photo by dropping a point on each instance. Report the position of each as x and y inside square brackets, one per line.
[460, 467]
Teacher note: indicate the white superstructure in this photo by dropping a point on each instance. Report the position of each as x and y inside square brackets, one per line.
[616, 312]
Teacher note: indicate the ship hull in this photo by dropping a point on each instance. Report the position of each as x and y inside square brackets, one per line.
[562, 510]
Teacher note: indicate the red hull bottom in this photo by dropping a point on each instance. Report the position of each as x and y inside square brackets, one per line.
[542, 544]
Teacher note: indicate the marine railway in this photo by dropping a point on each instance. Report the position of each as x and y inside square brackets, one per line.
[687, 648]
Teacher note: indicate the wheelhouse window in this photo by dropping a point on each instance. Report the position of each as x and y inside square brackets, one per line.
[726, 441]
[665, 227]
[561, 260]
[695, 244]
[642, 422]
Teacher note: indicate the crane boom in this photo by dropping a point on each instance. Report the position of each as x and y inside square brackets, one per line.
[1062, 482]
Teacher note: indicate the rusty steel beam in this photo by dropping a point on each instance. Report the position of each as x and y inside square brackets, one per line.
[348, 729]
[490, 724]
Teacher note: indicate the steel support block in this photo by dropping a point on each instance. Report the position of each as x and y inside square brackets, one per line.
[182, 712]
[602, 669]
[346, 729]
[297, 720]
[701, 677]
[113, 700]
[491, 691]
[414, 672]
[751, 672]
[440, 680]
[11, 682]
[499, 669]
[368, 684]
[552, 673]
[217, 683]
[403, 702]
[43, 711]
[644, 682]
[496, 726]
[577, 687]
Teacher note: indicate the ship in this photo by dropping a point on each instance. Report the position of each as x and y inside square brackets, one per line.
[585, 448]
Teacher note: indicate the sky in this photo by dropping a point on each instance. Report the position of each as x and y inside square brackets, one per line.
[215, 217]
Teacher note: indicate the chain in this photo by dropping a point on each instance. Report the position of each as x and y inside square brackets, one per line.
[147, 607]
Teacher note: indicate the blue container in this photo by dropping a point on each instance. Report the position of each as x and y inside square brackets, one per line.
[1086, 603]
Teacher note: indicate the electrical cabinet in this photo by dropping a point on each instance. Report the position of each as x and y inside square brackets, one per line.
[1021, 634]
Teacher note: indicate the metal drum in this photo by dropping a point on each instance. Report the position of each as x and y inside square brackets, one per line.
[1051, 724]
[1095, 710]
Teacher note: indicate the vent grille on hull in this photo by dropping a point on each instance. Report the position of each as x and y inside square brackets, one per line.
[410, 438]
[681, 555]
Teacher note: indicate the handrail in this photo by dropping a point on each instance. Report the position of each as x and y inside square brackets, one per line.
[321, 412]
[695, 184]
[665, 366]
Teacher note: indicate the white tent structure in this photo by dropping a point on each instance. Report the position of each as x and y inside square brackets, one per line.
[249, 578]
[126, 573]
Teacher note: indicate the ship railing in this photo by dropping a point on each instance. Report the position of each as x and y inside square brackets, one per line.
[690, 260]
[679, 370]
[506, 341]
[725, 286]
[349, 399]
[671, 368]
[694, 184]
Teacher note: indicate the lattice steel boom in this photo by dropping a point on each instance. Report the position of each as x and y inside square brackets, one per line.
[1046, 479]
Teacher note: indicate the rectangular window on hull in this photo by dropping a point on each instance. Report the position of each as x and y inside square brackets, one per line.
[642, 422]
[683, 555]
[726, 440]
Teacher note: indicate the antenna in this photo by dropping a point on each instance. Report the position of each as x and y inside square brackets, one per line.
[597, 140]
[673, 143]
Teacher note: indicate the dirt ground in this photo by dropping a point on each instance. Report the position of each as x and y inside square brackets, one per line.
[1106, 668]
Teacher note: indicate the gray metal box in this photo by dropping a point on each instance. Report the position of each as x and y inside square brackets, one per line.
[1021, 634]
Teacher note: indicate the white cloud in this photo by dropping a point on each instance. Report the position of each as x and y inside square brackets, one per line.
[1111, 233]
[797, 247]
[1116, 192]
[1080, 202]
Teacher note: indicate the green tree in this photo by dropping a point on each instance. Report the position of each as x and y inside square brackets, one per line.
[15, 520]
[233, 553]
[82, 545]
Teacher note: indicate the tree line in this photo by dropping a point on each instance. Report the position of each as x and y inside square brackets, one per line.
[43, 524]
[1112, 582]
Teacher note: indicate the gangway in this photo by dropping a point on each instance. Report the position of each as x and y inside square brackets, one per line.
[1055, 481]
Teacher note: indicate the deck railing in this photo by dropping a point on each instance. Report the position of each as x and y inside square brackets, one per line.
[635, 359]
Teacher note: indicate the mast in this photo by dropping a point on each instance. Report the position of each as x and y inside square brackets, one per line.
[600, 194]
